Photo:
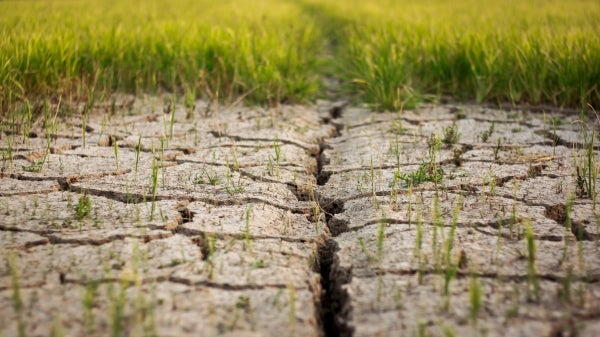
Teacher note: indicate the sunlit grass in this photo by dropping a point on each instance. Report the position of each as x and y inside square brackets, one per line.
[399, 53]
[391, 54]
[263, 50]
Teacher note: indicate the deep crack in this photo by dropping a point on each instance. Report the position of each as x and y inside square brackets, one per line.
[335, 309]
[334, 305]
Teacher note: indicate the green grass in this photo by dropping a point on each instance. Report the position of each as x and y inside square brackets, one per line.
[265, 51]
[391, 54]
[398, 53]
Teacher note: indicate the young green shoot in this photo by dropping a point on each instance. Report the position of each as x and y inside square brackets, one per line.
[232, 187]
[17, 301]
[116, 152]
[236, 163]
[88, 302]
[451, 135]
[533, 285]
[419, 243]
[485, 135]
[451, 267]
[118, 303]
[153, 186]
[292, 304]
[83, 209]
[277, 149]
[496, 149]
[248, 216]
[381, 236]
[475, 298]
[138, 149]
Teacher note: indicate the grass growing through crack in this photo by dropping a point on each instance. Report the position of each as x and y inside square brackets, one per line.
[451, 135]
[425, 172]
[207, 177]
[315, 208]
[83, 209]
[485, 135]
[232, 187]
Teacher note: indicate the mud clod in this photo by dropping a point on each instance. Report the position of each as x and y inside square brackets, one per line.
[557, 213]
[186, 214]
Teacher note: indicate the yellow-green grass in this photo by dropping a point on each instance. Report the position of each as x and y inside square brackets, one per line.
[396, 52]
[391, 54]
[265, 49]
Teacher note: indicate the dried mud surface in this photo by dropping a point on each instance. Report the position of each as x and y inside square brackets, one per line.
[298, 221]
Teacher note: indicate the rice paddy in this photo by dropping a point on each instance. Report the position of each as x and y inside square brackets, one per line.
[390, 54]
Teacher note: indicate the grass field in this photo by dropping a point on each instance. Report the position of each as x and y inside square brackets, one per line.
[519, 52]
[391, 54]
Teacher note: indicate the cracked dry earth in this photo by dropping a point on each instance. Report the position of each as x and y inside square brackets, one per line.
[298, 221]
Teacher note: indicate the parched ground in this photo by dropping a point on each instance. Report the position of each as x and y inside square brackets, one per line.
[299, 221]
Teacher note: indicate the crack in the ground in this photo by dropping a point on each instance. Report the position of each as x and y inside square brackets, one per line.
[338, 226]
[136, 198]
[122, 280]
[218, 134]
[145, 238]
[54, 237]
[238, 236]
[62, 179]
[228, 286]
[556, 140]
[333, 304]
[377, 272]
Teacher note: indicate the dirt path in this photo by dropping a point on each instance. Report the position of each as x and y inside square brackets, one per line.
[298, 221]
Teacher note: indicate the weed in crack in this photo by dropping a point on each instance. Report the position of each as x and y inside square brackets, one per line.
[496, 149]
[425, 172]
[485, 135]
[451, 135]
[83, 209]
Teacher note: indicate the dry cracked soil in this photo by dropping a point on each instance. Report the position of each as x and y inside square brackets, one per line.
[319, 220]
